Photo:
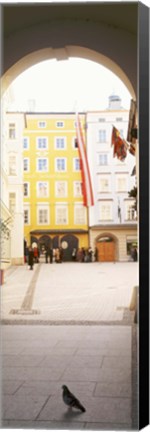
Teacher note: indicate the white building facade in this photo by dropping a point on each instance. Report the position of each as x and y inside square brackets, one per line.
[112, 219]
[15, 125]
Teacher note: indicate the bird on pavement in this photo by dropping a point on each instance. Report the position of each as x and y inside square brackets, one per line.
[70, 400]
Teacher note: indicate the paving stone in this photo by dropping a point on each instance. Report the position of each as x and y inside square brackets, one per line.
[9, 387]
[22, 408]
[108, 410]
[22, 360]
[35, 373]
[113, 389]
[119, 362]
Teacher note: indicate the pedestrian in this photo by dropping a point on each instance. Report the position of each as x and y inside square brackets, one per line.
[60, 254]
[135, 254]
[31, 258]
[51, 255]
[57, 255]
[46, 254]
[96, 254]
[35, 252]
[74, 254]
[90, 254]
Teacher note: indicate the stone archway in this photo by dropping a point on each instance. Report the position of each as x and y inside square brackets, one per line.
[107, 247]
[107, 35]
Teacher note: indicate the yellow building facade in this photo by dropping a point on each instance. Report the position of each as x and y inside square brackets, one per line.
[54, 214]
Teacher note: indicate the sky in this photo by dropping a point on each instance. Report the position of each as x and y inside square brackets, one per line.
[67, 85]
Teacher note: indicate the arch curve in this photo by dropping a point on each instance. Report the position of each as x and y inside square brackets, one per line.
[64, 54]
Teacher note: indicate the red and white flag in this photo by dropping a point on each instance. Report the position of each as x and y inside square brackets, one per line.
[88, 199]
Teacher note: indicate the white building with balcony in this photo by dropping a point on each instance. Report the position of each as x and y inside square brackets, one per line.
[112, 219]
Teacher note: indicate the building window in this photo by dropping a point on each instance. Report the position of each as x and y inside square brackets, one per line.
[79, 215]
[42, 164]
[75, 143]
[12, 202]
[119, 119]
[26, 216]
[60, 164]
[26, 189]
[130, 212]
[121, 133]
[61, 215]
[61, 189]
[77, 188]
[105, 211]
[41, 143]
[131, 243]
[102, 136]
[60, 143]
[12, 131]
[42, 189]
[26, 143]
[41, 124]
[104, 185]
[60, 124]
[12, 165]
[101, 120]
[43, 216]
[25, 164]
[103, 159]
[77, 165]
[121, 184]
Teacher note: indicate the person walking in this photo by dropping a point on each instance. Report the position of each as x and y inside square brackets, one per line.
[31, 258]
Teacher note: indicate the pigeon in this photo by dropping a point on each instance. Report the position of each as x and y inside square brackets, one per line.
[70, 400]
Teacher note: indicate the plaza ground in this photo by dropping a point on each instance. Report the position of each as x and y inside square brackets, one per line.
[68, 324]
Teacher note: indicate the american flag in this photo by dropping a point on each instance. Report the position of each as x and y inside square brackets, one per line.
[88, 199]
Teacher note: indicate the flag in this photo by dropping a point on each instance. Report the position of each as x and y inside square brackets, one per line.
[132, 120]
[120, 145]
[88, 199]
[132, 148]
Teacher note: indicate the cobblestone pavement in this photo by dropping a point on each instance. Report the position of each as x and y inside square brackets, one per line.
[81, 339]
[69, 292]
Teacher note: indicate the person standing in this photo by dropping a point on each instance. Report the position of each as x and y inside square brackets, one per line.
[31, 258]
[51, 255]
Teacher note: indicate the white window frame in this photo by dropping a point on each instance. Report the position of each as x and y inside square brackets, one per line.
[56, 161]
[43, 207]
[28, 211]
[79, 207]
[37, 189]
[42, 124]
[12, 202]
[103, 204]
[61, 206]
[103, 156]
[130, 213]
[100, 187]
[27, 142]
[12, 170]
[12, 131]
[65, 189]
[37, 164]
[102, 136]
[37, 143]
[28, 161]
[75, 186]
[121, 177]
[56, 143]
[28, 190]
[74, 164]
[60, 124]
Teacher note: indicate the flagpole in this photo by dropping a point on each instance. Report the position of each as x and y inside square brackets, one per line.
[88, 208]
